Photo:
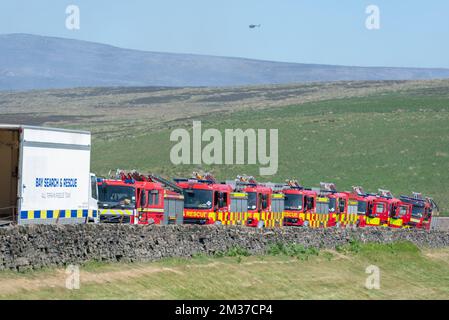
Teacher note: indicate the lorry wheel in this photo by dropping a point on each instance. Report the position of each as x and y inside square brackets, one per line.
[305, 224]
[260, 224]
[218, 223]
[337, 225]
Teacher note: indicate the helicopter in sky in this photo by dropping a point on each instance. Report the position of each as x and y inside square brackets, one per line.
[252, 26]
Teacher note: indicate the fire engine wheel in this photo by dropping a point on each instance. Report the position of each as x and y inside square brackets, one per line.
[260, 224]
[305, 224]
[337, 225]
[218, 223]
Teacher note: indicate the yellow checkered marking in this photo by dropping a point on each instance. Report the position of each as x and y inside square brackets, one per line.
[56, 214]
[372, 221]
[270, 219]
[116, 212]
[395, 222]
[317, 220]
[238, 194]
[348, 218]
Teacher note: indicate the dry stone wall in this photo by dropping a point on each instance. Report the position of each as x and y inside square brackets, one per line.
[38, 246]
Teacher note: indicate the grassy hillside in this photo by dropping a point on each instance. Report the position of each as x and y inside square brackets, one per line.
[405, 273]
[394, 140]
[388, 134]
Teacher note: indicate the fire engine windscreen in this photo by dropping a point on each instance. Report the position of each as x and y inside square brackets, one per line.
[116, 196]
[293, 202]
[332, 204]
[252, 200]
[197, 199]
[417, 211]
[402, 211]
[361, 207]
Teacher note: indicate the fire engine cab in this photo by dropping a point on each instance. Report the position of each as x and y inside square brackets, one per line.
[139, 199]
[297, 203]
[422, 210]
[337, 204]
[205, 200]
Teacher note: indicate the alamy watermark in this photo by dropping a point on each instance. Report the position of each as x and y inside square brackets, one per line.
[190, 150]
[372, 22]
[72, 21]
[373, 280]
[72, 281]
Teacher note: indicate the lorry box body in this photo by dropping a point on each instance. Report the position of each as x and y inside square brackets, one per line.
[45, 176]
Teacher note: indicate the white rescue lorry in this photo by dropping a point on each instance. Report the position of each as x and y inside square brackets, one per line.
[45, 176]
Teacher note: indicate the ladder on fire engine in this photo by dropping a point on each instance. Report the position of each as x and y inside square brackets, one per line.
[293, 183]
[358, 190]
[327, 188]
[241, 182]
[385, 193]
[418, 196]
[167, 183]
[204, 176]
[278, 187]
[198, 177]
[149, 177]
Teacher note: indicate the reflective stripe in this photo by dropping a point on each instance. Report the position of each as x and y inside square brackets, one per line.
[55, 214]
[116, 212]
[150, 210]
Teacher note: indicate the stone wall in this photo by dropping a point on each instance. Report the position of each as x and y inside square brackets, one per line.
[37, 246]
[440, 223]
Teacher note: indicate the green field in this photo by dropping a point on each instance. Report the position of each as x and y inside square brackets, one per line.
[398, 141]
[380, 134]
[406, 272]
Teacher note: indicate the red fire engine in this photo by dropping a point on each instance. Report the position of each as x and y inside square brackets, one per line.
[359, 203]
[259, 200]
[422, 210]
[138, 199]
[378, 210]
[298, 203]
[337, 204]
[205, 200]
[265, 205]
[399, 214]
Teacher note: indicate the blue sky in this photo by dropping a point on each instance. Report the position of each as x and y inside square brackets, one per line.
[413, 33]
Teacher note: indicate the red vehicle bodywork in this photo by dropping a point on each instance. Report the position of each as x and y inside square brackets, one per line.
[150, 202]
[400, 214]
[377, 213]
[205, 202]
[297, 216]
[129, 201]
[259, 202]
[338, 208]
[421, 212]
[133, 202]
[361, 203]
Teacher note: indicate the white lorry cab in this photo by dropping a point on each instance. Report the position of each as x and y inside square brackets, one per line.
[45, 176]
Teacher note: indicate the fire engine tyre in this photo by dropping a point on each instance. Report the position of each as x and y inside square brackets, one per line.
[218, 223]
[305, 224]
[260, 225]
[337, 225]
